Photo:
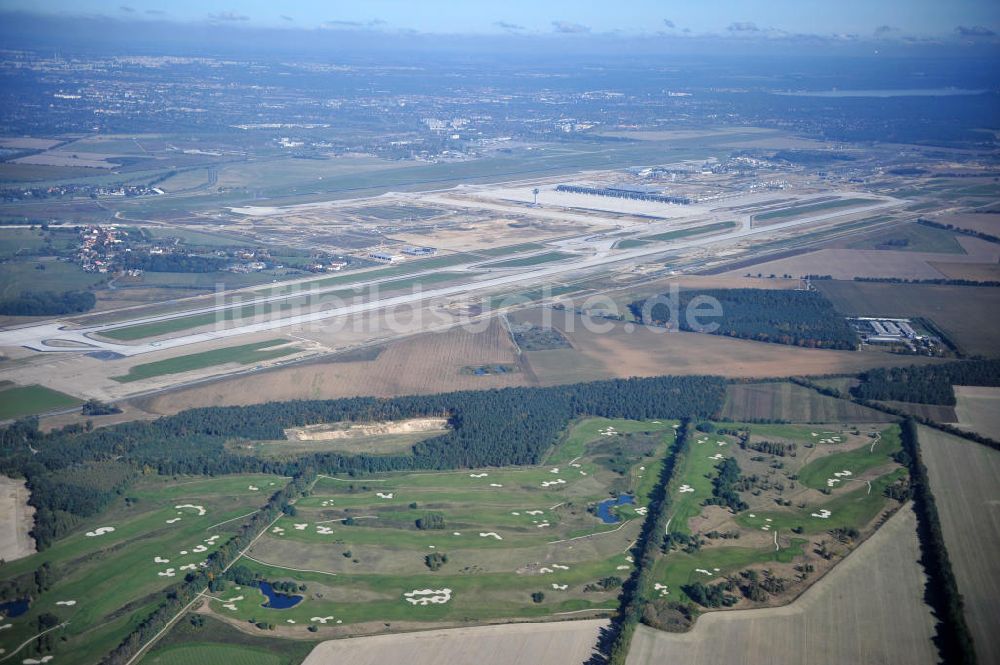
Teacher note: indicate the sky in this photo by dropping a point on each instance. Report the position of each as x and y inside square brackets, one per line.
[730, 18]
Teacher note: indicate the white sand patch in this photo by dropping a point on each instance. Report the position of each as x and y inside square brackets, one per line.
[428, 596]
[768, 519]
[583, 473]
[433, 547]
[189, 566]
[490, 534]
[321, 619]
[495, 485]
[560, 566]
[554, 469]
[324, 530]
[717, 457]
[516, 513]
[842, 474]
[478, 475]
[813, 434]
[662, 588]
[201, 509]
[199, 549]
[327, 502]
[234, 599]
[100, 531]
[577, 466]
[253, 488]
[543, 524]
[751, 515]
[456, 533]
[721, 443]
[278, 530]
[5, 627]
[765, 528]
[384, 495]
[534, 512]
[703, 571]
[560, 587]
[36, 661]
[67, 603]
[183, 552]
[211, 539]
[822, 514]
[641, 510]
[160, 559]
[290, 621]
[622, 567]
[169, 572]
[171, 521]
[557, 481]
[543, 570]
[301, 527]
[230, 606]
[685, 488]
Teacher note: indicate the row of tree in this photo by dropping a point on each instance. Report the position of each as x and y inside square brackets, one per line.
[799, 318]
[926, 384]
[513, 426]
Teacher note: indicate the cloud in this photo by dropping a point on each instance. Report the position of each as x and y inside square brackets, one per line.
[883, 30]
[155, 12]
[670, 24]
[127, 9]
[569, 28]
[228, 16]
[285, 17]
[509, 27]
[743, 26]
[975, 31]
[342, 24]
[377, 21]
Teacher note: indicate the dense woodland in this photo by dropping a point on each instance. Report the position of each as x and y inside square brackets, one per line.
[926, 384]
[173, 262]
[48, 303]
[799, 318]
[488, 428]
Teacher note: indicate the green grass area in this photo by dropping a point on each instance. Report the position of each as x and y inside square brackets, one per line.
[246, 354]
[631, 243]
[19, 276]
[199, 238]
[537, 259]
[807, 208]
[21, 240]
[696, 471]
[912, 238]
[510, 249]
[113, 577]
[857, 461]
[26, 400]
[574, 441]
[404, 268]
[213, 654]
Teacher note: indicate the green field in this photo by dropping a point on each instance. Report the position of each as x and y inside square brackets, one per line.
[912, 238]
[19, 276]
[26, 400]
[113, 577]
[807, 208]
[857, 461]
[631, 243]
[537, 259]
[790, 402]
[246, 354]
[510, 249]
[213, 654]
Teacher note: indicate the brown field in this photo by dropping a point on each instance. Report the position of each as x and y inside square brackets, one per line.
[982, 222]
[16, 520]
[868, 609]
[979, 272]
[426, 363]
[937, 412]
[978, 410]
[562, 643]
[793, 403]
[488, 233]
[851, 263]
[963, 477]
[964, 313]
[652, 352]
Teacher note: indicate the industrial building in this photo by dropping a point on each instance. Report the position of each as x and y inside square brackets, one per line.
[631, 192]
[384, 257]
[419, 251]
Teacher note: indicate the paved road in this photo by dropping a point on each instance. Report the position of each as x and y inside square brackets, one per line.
[41, 337]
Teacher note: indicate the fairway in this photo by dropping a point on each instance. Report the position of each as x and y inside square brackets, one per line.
[246, 354]
[16, 401]
[212, 654]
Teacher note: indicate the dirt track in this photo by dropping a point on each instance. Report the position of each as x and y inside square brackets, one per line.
[560, 643]
[15, 520]
[868, 609]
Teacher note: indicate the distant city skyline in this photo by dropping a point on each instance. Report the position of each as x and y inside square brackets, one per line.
[846, 20]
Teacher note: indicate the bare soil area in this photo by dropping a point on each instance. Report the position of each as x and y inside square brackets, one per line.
[332, 431]
[978, 409]
[16, 520]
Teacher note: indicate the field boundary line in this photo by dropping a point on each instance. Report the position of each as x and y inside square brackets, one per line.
[589, 535]
[252, 512]
[591, 609]
[297, 570]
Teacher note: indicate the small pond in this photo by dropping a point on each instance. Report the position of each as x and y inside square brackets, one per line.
[14, 608]
[604, 507]
[277, 600]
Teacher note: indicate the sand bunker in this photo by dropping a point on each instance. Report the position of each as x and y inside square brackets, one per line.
[478, 475]
[622, 567]
[543, 570]
[176, 519]
[211, 539]
[67, 603]
[560, 567]
[201, 509]
[189, 566]
[386, 495]
[703, 571]
[301, 527]
[428, 596]
[491, 534]
[717, 457]
[533, 512]
[557, 481]
[822, 514]
[346, 430]
[324, 530]
[642, 510]
[36, 661]
[560, 587]
[100, 531]
[685, 488]
[327, 502]
[229, 606]
[160, 559]
[169, 572]
[253, 488]
[323, 619]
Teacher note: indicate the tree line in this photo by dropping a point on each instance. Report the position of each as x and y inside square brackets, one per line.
[798, 318]
[926, 384]
[48, 303]
[512, 426]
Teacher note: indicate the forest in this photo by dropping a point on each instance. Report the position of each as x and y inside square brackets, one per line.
[512, 426]
[799, 318]
[48, 303]
[926, 384]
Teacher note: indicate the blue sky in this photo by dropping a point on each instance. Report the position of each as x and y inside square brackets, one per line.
[731, 18]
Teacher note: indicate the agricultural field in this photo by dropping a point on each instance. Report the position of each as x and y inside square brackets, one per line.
[562, 643]
[963, 478]
[790, 402]
[963, 313]
[246, 354]
[16, 277]
[789, 500]
[868, 609]
[140, 545]
[438, 548]
[426, 363]
[978, 409]
[911, 237]
[16, 401]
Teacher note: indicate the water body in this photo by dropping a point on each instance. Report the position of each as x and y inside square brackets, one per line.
[906, 92]
[14, 608]
[277, 600]
[604, 507]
